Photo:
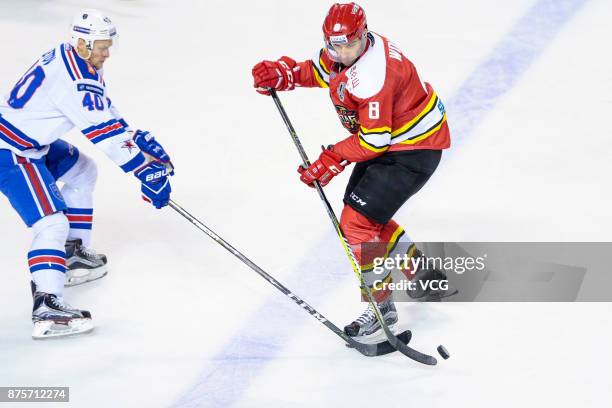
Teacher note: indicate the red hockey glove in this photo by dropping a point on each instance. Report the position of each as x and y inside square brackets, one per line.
[324, 169]
[279, 75]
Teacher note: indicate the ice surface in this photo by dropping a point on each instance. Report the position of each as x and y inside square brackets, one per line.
[179, 322]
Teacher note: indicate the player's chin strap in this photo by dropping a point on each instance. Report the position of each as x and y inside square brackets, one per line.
[400, 346]
[88, 47]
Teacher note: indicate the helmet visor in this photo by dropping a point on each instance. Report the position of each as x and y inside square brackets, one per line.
[339, 49]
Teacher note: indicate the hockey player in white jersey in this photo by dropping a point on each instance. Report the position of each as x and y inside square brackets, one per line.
[62, 90]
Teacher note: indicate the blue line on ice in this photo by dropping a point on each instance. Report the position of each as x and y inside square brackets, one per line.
[510, 58]
[228, 375]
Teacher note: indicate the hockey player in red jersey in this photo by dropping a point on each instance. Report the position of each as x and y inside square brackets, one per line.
[398, 131]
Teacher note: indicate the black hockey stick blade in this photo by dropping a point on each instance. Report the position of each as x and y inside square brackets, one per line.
[379, 349]
[407, 350]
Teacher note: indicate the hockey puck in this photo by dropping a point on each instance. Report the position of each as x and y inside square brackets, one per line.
[443, 352]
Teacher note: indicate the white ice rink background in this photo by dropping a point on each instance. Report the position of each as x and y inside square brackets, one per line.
[181, 323]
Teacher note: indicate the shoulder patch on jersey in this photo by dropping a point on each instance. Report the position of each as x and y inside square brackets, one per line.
[98, 90]
[367, 76]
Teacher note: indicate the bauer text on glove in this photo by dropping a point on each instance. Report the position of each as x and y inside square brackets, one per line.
[155, 185]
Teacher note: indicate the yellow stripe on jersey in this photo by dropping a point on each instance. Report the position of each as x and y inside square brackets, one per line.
[374, 133]
[405, 128]
[322, 64]
[384, 129]
[428, 133]
[319, 77]
[368, 146]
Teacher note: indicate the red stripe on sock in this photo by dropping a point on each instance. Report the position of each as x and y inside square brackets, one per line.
[79, 218]
[46, 259]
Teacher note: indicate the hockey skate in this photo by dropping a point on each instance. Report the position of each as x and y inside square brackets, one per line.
[83, 264]
[423, 292]
[53, 318]
[368, 325]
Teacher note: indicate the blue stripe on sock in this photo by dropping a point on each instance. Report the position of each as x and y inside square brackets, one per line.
[47, 252]
[45, 266]
[80, 226]
[79, 211]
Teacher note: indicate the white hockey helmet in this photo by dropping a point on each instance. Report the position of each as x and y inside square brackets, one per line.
[91, 25]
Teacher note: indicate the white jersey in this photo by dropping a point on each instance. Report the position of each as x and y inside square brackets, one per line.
[59, 92]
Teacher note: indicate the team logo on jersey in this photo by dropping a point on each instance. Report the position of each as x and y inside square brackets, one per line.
[348, 118]
[341, 89]
[127, 144]
[55, 191]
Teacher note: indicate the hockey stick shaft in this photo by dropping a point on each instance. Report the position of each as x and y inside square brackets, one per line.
[366, 349]
[401, 347]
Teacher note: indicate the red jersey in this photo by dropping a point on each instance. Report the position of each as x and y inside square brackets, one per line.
[380, 100]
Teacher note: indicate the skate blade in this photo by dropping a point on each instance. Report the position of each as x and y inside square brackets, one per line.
[376, 337]
[79, 276]
[385, 348]
[47, 329]
[438, 296]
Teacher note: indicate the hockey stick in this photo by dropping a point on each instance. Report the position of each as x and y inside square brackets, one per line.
[393, 340]
[370, 350]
